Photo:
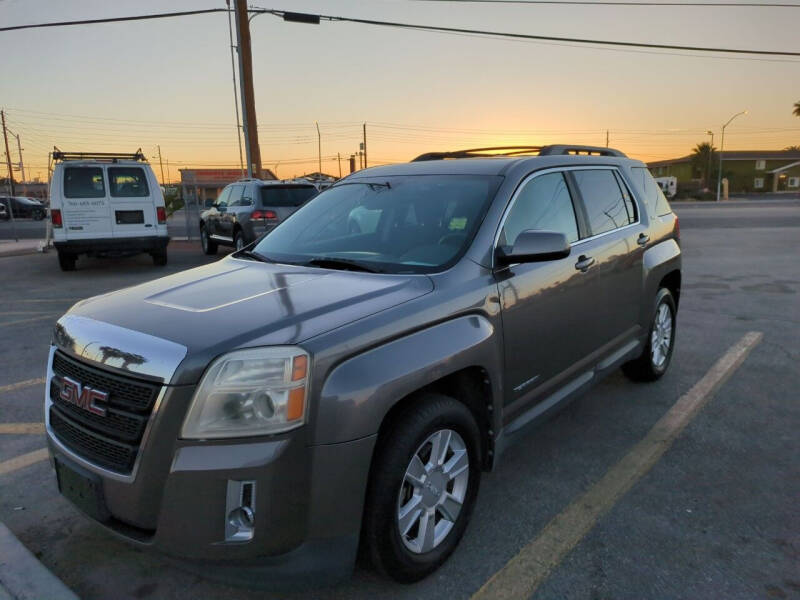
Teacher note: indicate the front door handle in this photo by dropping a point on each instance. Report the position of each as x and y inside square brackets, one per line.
[643, 239]
[584, 262]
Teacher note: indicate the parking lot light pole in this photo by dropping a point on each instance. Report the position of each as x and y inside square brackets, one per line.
[721, 147]
[710, 158]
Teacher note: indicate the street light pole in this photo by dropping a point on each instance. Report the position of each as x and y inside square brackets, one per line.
[721, 148]
[319, 147]
[710, 157]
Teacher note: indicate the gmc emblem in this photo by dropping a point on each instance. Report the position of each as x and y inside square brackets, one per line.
[83, 397]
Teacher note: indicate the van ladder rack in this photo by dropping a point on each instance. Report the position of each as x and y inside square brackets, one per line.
[104, 156]
[507, 151]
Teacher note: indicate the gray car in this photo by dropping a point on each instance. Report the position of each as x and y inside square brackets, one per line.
[336, 387]
[248, 209]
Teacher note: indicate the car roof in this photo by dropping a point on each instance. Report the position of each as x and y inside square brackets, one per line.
[500, 165]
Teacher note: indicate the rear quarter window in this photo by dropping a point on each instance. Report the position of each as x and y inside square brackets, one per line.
[127, 182]
[654, 199]
[84, 182]
[606, 206]
[296, 195]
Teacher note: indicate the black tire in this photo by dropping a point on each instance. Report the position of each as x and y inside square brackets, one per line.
[382, 541]
[66, 261]
[644, 368]
[38, 215]
[209, 246]
[159, 257]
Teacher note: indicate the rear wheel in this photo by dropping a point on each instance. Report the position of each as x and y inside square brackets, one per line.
[159, 257]
[66, 261]
[422, 489]
[209, 246]
[657, 352]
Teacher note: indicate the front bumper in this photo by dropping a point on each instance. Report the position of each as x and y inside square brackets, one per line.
[307, 505]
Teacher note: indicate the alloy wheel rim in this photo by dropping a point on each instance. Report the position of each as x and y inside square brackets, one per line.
[433, 491]
[661, 336]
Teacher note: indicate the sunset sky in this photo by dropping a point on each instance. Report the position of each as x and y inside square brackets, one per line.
[168, 82]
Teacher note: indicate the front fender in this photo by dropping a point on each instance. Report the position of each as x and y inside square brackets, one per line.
[360, 391]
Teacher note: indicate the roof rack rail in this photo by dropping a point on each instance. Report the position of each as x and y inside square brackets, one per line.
[557, 149]
[104, 156]
[480, 153]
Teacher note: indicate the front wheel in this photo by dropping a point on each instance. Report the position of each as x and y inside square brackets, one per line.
[209, 246]
[422, 489]
[657, 352]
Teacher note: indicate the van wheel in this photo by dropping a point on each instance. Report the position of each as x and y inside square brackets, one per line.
[423, 484]
[66, 261]
[159, 257]
[209, 246]
[657, 353]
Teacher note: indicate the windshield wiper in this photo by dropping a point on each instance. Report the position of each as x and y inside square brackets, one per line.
[328, 262]
[254, 256]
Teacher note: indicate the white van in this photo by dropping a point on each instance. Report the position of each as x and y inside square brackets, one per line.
[106, 204]
[668, 185]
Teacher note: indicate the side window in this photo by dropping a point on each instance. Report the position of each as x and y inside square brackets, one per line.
[235, 199]
[654, 198]
[127, 182]
[84, 182]
[605, 204]
[630, 205]
[543, 203]
[222, 201]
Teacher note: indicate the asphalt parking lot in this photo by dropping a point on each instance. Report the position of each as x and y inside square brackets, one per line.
[717, 515]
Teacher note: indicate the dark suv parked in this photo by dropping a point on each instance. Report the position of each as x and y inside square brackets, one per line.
[24, 208]
[336, 386]
[248, 209]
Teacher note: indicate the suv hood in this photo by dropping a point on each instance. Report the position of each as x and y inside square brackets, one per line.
[236, 303]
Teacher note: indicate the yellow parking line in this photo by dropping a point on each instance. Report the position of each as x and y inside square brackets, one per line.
[25, 460]
[21, 384]
[48, 316]
[21, 428]
[523, 574]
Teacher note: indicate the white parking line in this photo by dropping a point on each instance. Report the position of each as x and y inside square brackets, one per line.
[526, 571]
[21, 428]
[52, 316]
[22, 461]
[21, 384]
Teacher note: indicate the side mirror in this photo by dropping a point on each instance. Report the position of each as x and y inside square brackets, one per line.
[535, 246]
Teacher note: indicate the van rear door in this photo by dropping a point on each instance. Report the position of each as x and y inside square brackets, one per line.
[85, 209]
[132, 201]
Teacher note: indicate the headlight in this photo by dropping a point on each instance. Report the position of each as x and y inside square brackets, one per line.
[255, 391]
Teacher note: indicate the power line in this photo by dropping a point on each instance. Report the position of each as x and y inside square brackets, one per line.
[183, 13]
[519, 36]
[623, 3]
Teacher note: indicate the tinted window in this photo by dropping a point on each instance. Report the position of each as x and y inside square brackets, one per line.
[273, 195]
[398, 224]
[235, 199]
[605, 205]
[127, 182]
[84, 182]
[543, 203]
[653, 195]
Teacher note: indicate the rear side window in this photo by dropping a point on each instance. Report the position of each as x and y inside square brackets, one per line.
[84, 182]
[606, 206]
[127, 182]
[273, 195]
[657, 204]
[543, 203]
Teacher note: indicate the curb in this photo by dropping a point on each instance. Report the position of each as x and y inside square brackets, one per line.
[23, 577]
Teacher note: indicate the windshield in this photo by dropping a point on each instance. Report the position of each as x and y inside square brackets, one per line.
[411, 224]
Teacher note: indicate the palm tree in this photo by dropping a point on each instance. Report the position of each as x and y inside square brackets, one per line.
[703, 157]
[792, 148]
[796, 111]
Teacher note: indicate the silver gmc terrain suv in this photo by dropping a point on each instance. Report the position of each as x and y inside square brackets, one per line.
[343, 382]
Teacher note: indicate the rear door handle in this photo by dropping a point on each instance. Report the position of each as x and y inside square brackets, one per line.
[584, 262]
[643, 239]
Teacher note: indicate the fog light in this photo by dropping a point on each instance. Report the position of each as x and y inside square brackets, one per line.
[240, 511]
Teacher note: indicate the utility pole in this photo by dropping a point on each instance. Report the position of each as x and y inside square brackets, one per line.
[10, 175]
[160, 162]
[352, 163]
[339, 158]
[249, 122]
[235, 92]
[365, 145]
[319, 146]
[710, 158]
[19, 151]
[606, 138]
